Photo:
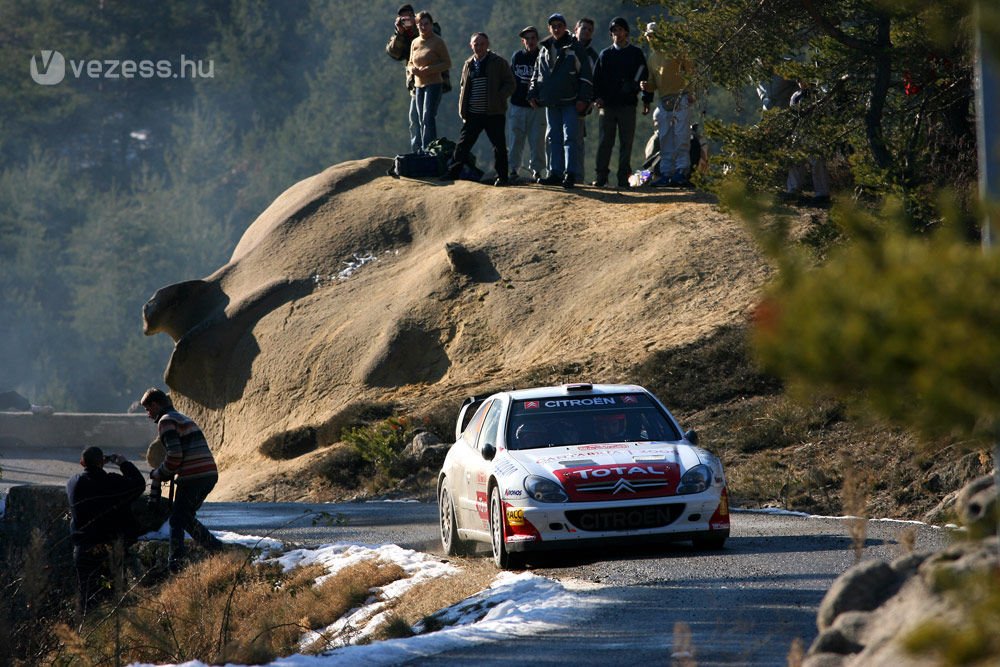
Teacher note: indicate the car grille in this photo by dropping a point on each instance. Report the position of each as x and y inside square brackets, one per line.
[625, 486]
[625, 518]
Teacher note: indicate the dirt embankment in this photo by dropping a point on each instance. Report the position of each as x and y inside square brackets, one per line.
[343, 292]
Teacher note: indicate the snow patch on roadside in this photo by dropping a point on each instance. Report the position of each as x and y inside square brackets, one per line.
[514, 605]
[805, 515]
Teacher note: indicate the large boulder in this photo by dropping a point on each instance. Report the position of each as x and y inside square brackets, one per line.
[35, 512]
[872, 609]
[977, 507]
[355, 288]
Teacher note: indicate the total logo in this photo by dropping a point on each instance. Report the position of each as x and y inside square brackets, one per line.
[623, 471]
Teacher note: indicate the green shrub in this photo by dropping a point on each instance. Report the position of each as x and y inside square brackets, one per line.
[352, 415]
[381, 443]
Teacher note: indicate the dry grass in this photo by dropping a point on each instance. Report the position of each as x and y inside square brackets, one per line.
[682, 653]
[907, 539]
[422, 601]
[224, 609]
[796, 653]
[854, 496]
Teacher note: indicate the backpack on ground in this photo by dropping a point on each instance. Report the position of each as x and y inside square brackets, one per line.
[417, 165]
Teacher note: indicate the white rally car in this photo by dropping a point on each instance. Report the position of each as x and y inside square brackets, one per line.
[554, 467]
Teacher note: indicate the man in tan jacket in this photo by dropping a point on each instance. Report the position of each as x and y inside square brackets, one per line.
[428, 60]
[487, 83]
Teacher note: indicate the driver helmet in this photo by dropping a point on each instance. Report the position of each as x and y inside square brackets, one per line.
[611, 427]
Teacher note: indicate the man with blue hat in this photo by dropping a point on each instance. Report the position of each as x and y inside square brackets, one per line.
[562, 83]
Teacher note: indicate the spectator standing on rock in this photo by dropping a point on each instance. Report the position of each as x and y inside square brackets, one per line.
[620, 70]
[562, 83]
[190, 463]
[525, 124]
[100, 516]
[583, 32]
[404, 32]
[671, 77]
[487, 83]
[428, 60]
[814, 165]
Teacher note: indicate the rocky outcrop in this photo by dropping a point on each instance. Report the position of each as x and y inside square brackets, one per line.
[871, 610]
[32, 513]
[426, 450]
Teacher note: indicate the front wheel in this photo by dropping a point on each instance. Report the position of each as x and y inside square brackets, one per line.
[502, 558]
[452, 544]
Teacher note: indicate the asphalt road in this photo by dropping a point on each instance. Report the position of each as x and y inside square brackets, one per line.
[53, 466]
[744, 605]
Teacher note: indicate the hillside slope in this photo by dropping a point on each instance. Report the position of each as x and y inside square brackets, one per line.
[342, 292]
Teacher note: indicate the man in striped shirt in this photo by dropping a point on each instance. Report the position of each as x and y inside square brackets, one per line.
[189, 462]
[487, 83]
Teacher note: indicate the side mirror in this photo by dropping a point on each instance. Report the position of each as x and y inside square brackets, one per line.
[489, 451]
[692, 437]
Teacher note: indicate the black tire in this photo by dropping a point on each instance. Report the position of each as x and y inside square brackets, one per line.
[502, 558]
[713, 540]
[451, 543]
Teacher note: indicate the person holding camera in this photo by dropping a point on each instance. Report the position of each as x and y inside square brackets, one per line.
[190, 463]
[404, 32]
[429, 59]
[398, 48]
[620, 69]
[100, 516]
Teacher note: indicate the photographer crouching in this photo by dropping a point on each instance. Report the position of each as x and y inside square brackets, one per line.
[100, 517]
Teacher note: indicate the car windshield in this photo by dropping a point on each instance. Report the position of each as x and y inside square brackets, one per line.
[561, 420]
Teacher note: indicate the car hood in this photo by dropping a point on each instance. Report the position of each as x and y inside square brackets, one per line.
[612, 471]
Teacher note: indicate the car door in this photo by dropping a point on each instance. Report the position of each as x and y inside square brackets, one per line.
[480, 467]
[464, 479]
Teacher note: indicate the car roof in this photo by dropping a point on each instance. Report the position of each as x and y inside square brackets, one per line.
[574, 389]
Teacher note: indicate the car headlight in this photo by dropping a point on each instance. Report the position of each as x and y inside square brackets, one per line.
[695, 480]
[544, 490]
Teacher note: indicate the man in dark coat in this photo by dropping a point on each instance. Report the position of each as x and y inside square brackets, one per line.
[562, 83]
[100, 516]
[620, 68]
[487, 83]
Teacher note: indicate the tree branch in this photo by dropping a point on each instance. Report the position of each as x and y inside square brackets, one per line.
[831, 29]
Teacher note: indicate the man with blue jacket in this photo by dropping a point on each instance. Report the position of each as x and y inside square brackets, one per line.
[562, 83]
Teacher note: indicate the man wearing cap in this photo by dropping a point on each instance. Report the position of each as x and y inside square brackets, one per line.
[487, 82]
[190, 463]
[404, 32]
[584, 35]
[562, 83]
[524, 122]
[620, 70]
[100, 515]
[671, 77]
